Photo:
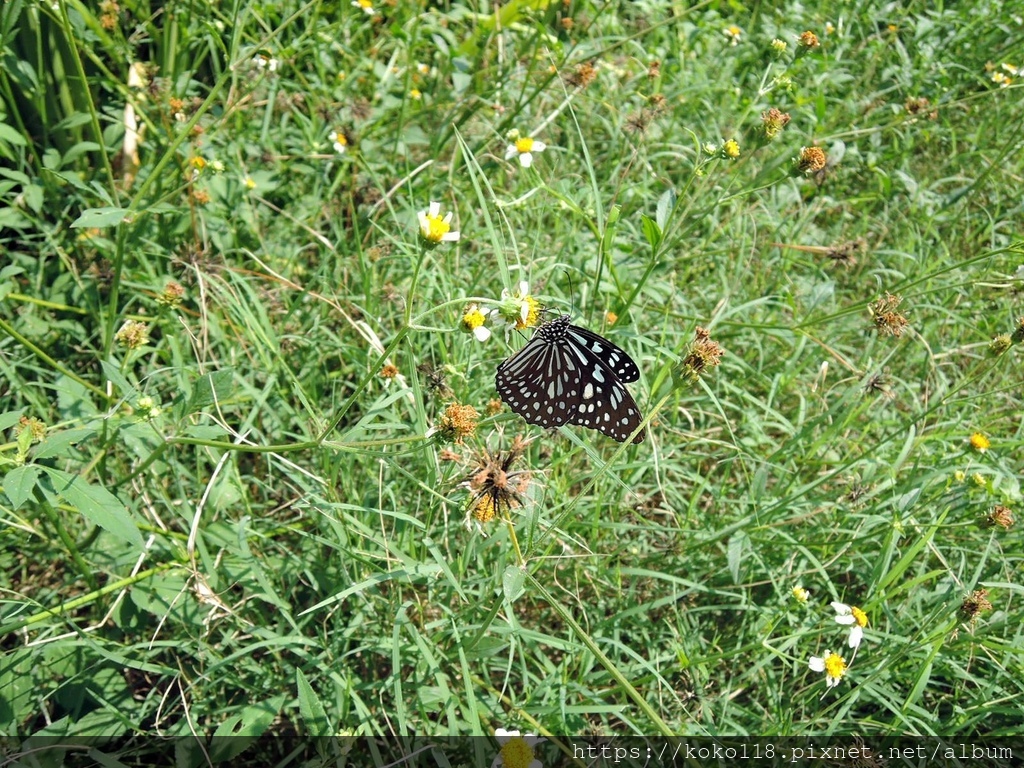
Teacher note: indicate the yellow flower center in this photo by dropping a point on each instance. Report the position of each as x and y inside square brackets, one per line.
[516, 753]
[365, 3]
[859, 615]
[340, 138]
[483, 511]
[524, 145]
[835, 666]
[732, 148]
[532, 313]
[979, 442]
[473, 319]
[437, 228]
[733, 31]
[801, 594]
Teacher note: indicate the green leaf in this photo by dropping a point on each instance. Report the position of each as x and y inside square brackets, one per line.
[114, 375]
[237, 733]
[70, 178]
[97, 505]
[24, 443]
[100, 217]
[652, 232]
[734, 554]
[19, 483]
[9, 418]
[58, 443]
[666, 204]
[11, 136]
[79, 149]
[512, 582]
[310, 708]
[610, 226]
[73, 399]
[211, 388]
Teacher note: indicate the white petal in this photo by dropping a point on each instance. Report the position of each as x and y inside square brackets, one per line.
[450, 237]
[448, 219]
[832, 682]
[424, 224]
[502, 735]
[435, 208]
[856, 634]
[538, 146]
[482, 333]
[526, 159]
[845, 620]
[840, 608]
[816, 663]
[524, 288]
[511, 152]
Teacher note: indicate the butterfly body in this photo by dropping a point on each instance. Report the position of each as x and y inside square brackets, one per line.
[569, 375]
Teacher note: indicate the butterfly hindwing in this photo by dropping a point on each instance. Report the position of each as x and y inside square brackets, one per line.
[568, 375]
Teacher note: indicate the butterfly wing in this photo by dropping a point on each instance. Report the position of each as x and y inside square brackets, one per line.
[604, 403]
[561, 377]
[539, 383]
[615, 357]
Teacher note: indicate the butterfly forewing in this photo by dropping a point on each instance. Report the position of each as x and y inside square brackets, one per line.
[568, 375]
[614, 357]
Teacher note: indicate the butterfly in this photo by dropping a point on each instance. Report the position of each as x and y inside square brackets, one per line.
[569, 375]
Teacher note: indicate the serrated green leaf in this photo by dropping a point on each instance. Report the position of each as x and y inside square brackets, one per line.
[211, 388]
[19, 484]
[58, 443]
[73, 399]
[97, 505]
[311, 710]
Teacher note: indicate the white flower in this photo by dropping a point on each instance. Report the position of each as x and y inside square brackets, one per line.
[473, 320]
[435, 229]
[364, 5]
[265, 62]
[338, 141]
[853, 617]
[520, 309]
[832, 664]
[516, 751]
[524, 147]
[733, 33]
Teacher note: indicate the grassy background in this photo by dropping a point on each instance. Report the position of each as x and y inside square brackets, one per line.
[274, 543]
